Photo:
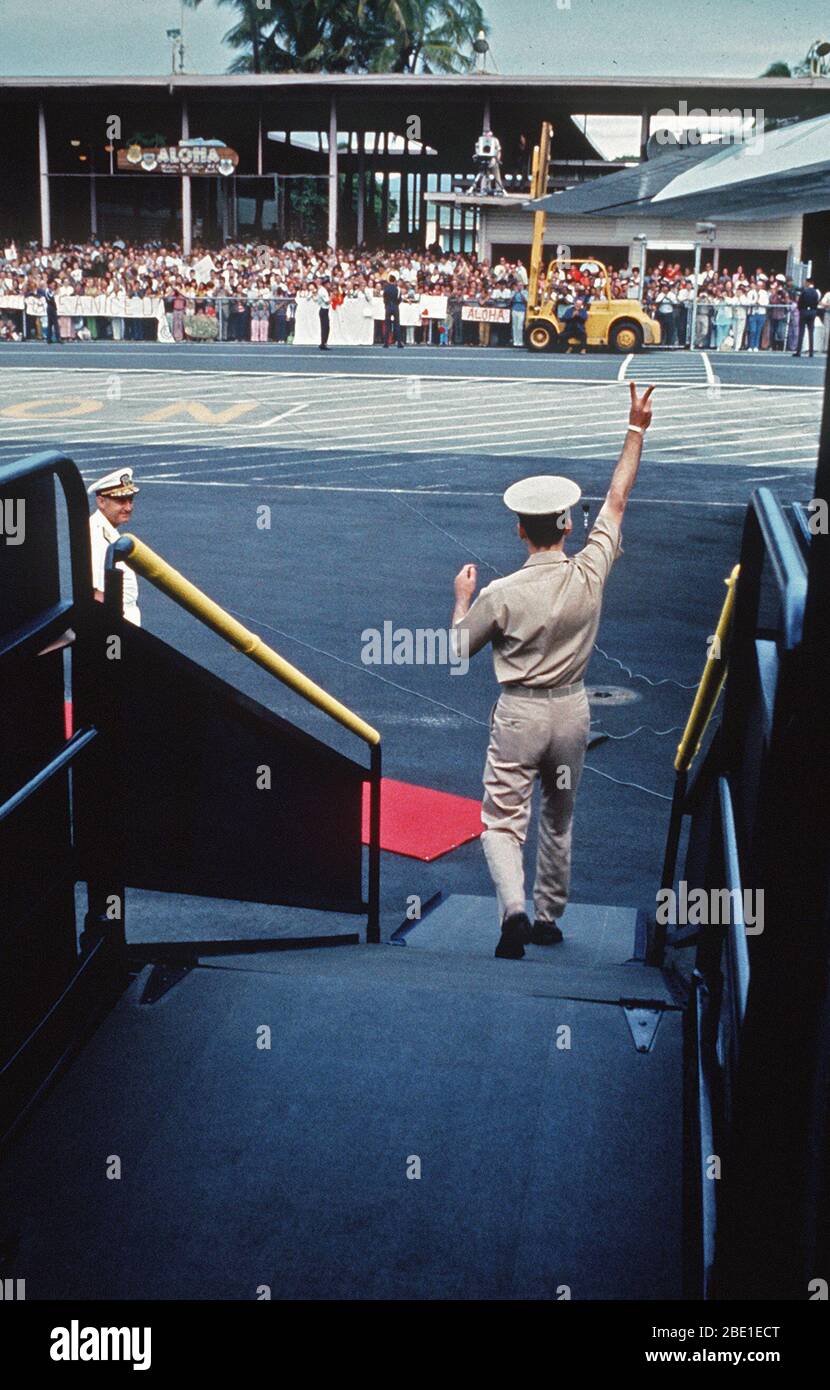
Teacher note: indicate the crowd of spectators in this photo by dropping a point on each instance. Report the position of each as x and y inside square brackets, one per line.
[248, 284]
[736, 309]
[252, 289]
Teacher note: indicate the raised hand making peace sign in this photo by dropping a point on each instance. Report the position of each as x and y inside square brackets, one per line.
[640, 414]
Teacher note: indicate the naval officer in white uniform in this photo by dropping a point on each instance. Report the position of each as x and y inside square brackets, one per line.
[113, 496]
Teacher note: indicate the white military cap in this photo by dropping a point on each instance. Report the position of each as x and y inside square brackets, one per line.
[117, 484]
[542, 495]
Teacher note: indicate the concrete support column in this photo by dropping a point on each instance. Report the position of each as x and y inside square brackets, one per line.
[348, 185]
[93, 202]
[224, 207]
[645, 126]
[384, 196]
[361, 184]
[187, 213]
[484, 249]
[43, 161]
[285, 225]
[423, 211]
[333, 175]
[403, 209]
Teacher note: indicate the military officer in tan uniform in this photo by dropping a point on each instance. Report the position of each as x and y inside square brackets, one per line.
[542, 621]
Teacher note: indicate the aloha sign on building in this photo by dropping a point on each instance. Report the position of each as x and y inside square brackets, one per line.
[186, 157]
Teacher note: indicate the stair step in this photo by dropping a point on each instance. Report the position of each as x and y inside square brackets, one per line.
[594, 934]
[543, 1165]
[546, 972]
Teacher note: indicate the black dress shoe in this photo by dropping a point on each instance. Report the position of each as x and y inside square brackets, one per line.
[545, 934]
[515, 932]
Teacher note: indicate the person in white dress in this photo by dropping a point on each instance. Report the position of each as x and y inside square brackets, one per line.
[822, 328]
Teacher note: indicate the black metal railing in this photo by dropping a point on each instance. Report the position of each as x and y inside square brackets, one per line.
[50, 985]
[729, 805]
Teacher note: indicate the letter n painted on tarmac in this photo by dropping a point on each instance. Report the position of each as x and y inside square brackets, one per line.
[201, 413]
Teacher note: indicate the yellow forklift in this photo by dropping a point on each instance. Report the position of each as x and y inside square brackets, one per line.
[621, 324]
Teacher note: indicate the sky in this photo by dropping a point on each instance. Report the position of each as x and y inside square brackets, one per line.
[580, 37]
[647, 38]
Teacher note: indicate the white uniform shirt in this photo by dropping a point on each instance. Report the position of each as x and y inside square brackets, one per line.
[102, 534]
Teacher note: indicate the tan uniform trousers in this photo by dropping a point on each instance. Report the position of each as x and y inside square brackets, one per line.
[533, 733]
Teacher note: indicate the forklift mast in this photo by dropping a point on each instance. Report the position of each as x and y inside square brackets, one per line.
[538, 189]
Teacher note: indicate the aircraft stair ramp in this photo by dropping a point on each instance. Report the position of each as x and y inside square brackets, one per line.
[218, 1117]
[422, 1121]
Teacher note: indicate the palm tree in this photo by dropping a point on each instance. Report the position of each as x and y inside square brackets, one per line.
[803, 68]
[419, 35]
[353, 35]
[287, 37]
[423, 35]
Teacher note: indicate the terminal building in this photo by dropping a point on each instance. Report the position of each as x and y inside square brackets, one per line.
[358, 159]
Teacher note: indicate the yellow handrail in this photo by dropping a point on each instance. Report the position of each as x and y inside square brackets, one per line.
[711, 683]
[151, 566]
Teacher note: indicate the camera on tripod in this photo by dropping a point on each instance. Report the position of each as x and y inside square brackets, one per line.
[487, 147]
[487, 158]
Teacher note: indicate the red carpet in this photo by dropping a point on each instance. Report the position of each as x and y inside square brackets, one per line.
[422, 823]
[414, 821]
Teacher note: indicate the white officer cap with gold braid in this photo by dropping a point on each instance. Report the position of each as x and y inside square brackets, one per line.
[543, 495]
[117, 484]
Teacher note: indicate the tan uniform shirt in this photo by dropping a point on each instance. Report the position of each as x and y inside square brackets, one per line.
[542, 620]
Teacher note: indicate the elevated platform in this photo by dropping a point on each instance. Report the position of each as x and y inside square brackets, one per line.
[550, 1160]
[594, 935]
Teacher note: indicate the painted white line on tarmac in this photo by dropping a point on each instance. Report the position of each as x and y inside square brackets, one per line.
[798, 463]
[428, 413]
[422, 456]
[578, 384]
[420, 492]
[263, 424]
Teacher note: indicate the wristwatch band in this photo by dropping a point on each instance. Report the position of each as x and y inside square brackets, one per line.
[637, 429]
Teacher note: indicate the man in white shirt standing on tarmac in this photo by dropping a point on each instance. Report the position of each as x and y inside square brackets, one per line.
[323, 299]
[113, 495]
